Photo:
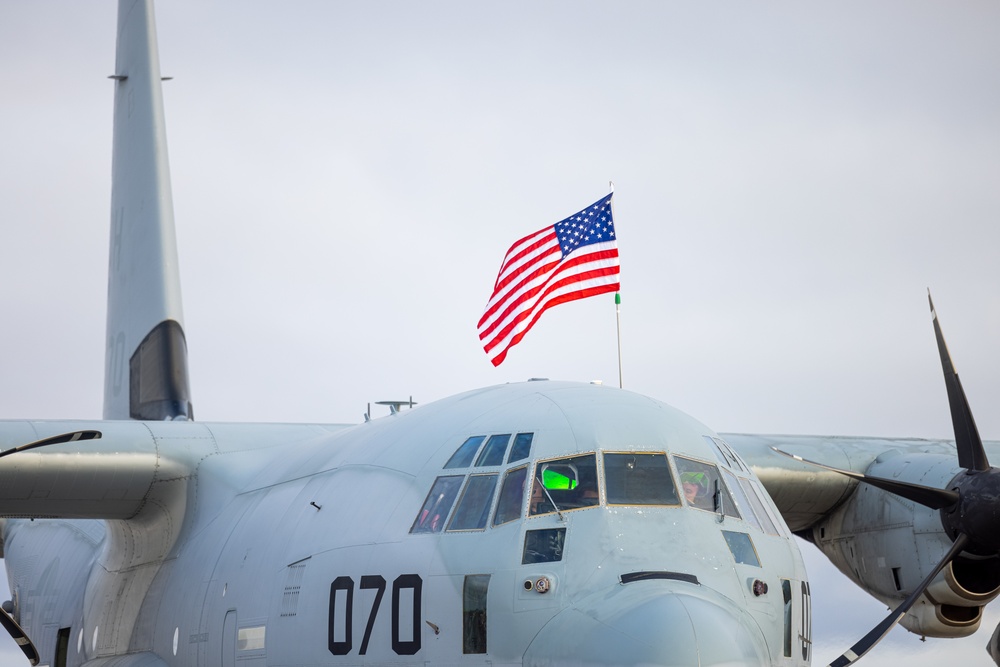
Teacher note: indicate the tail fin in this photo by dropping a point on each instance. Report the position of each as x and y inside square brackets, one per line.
[145, 368]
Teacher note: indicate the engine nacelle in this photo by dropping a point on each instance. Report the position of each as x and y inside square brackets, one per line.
[941, 620]
[887, 545]
[966, 582]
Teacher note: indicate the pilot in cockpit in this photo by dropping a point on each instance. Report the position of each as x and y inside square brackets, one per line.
[695, 485]
[538, 500]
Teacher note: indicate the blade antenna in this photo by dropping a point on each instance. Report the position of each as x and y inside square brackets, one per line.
[971, 454]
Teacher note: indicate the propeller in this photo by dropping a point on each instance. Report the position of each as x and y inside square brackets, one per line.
[54, 440]
[9, 624]
[970, 506]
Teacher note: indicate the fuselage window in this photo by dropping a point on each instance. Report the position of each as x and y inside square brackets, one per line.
[639, 479]
[742, 547]
[474, 507]
[438, 503]
[474, 613]
[766, 524]
[251, 639]
[462, 458]
[564, 484]
[492, 454]
[703, 487]
[742, 502]
[511, 496]
[543, 546]
[521, 448]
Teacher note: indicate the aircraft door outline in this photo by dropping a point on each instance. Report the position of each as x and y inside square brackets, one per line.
[229, 639]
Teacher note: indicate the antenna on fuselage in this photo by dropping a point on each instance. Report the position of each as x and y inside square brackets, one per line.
[394, 406]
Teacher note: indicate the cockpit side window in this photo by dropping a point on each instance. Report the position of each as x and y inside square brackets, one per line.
[639, 479]
[720, 455]
[725, 454]
[462, 458]
[703, 487]
[741, 547]
[742, 502]
[766, 521]
[543, 546]
[474, 506]
[521, 448]
[511, 496]
[564, 484]
[738, 463]
[438, 503]
[492, 454]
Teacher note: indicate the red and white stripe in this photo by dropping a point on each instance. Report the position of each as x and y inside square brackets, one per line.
[534, 277]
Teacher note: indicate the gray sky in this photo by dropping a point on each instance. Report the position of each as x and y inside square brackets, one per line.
[790, 178]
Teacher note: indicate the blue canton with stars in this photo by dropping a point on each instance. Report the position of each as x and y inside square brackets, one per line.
[593, 224]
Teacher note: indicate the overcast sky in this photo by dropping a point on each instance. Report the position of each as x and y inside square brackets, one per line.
[789, 180]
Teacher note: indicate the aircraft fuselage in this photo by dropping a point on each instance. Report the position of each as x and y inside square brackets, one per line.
[535, 523]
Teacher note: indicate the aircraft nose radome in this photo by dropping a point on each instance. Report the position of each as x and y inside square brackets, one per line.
[650, 623]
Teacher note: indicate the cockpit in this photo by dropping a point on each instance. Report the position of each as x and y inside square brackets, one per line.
[490, 481]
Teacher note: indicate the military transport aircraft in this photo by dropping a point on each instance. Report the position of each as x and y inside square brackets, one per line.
[536, 523]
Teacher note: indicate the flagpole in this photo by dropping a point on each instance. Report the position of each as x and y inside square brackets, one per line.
[618, 302]
[618, 315]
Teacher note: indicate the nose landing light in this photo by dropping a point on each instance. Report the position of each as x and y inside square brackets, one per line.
[540, 585]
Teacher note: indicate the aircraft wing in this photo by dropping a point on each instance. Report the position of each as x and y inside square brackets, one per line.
[806, 494]
[131, 468]
[902, 518]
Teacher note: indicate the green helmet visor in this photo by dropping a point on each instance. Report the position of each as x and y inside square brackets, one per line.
[698, 478]
[552, 479]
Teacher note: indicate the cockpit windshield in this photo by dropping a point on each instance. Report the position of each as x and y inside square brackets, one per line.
[478, 493]
[564, 484]
[639, 478]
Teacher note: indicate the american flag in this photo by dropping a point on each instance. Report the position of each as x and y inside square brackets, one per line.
[572, 259]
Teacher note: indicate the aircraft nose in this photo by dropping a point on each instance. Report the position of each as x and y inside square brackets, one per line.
[651, 623]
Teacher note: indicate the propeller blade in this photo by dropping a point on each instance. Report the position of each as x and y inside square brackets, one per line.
[971, 454]
[993, 646]
[9, 624]
[928, 496]
[877, 633]
[54, 440]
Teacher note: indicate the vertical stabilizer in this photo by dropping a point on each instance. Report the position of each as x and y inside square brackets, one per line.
[145, 367]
